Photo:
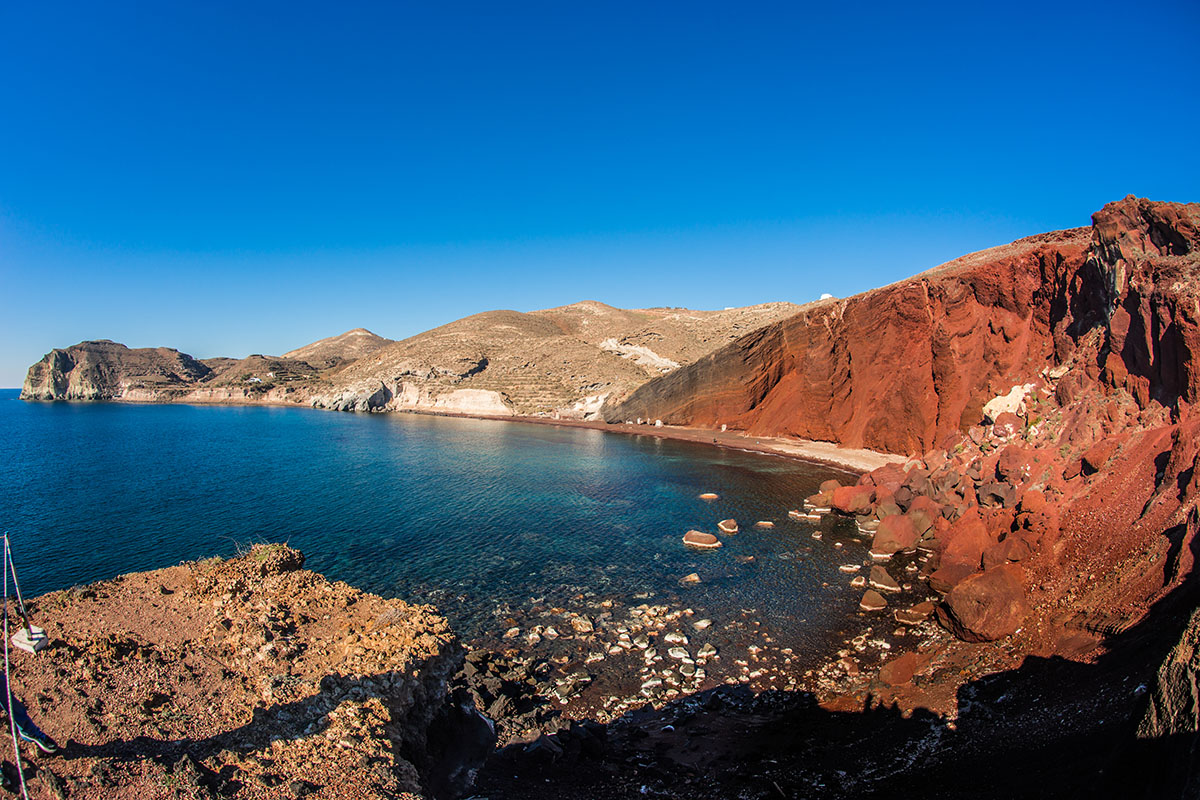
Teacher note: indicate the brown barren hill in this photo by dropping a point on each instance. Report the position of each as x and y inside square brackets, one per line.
[334, 350]
[562, 361]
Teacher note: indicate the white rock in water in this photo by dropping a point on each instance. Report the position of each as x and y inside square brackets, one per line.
[707, 651]
[701, 624]
[677, 652]
[675, 637]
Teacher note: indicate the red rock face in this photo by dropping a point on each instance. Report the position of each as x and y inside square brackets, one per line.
[1081, 483]
[895, 369]
[901, 368]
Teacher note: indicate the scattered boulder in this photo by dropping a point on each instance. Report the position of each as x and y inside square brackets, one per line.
[882, 580]
[822, 501]
[689, 579]
[830, 486]
[923, 512]
[900, 670]
[1016, 464]
[709, 496]
[987, 606]
[728, 526]
[964, 542]
[886, 507]
[947, 576]
[1033, 502]
[997, 495]
[1016, 546]
[915, 615]
[1096, 456]
[872, 601]
[1007, 425]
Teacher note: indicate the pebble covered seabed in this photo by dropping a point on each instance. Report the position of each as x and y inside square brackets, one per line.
[600, 658]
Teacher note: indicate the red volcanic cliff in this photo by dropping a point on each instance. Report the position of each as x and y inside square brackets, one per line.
[901, 368]
[1069, 506]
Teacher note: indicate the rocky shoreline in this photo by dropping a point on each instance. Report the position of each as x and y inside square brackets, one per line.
[255, 678]
[1025, 574]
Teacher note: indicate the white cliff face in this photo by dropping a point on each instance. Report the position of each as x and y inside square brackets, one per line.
[587, 408]
[408, 396]
[473, 401]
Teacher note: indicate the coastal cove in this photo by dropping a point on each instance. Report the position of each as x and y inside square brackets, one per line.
[482, 518]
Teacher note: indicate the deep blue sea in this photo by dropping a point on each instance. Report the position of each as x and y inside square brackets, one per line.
[472, 515]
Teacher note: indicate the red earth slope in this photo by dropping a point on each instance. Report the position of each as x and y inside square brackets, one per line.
[903, 367]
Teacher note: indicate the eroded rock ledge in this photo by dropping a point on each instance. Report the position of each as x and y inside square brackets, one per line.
[250, 677]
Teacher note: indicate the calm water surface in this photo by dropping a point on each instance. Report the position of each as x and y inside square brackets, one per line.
[473, 515]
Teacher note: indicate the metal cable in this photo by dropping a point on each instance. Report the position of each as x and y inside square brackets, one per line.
[12, 719]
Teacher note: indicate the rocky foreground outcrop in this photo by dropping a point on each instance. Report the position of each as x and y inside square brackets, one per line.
[250, 677]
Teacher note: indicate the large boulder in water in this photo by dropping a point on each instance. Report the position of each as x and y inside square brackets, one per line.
[895, 533]
[853, 499]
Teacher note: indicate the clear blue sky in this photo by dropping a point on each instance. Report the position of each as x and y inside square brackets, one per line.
[229, 178]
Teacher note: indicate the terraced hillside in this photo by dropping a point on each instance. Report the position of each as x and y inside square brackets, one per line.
[563, 361]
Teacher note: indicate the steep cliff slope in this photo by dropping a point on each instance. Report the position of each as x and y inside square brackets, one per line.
[104, 370]
[900, 368]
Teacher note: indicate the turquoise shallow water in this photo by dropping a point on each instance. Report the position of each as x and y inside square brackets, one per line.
[472, 515]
